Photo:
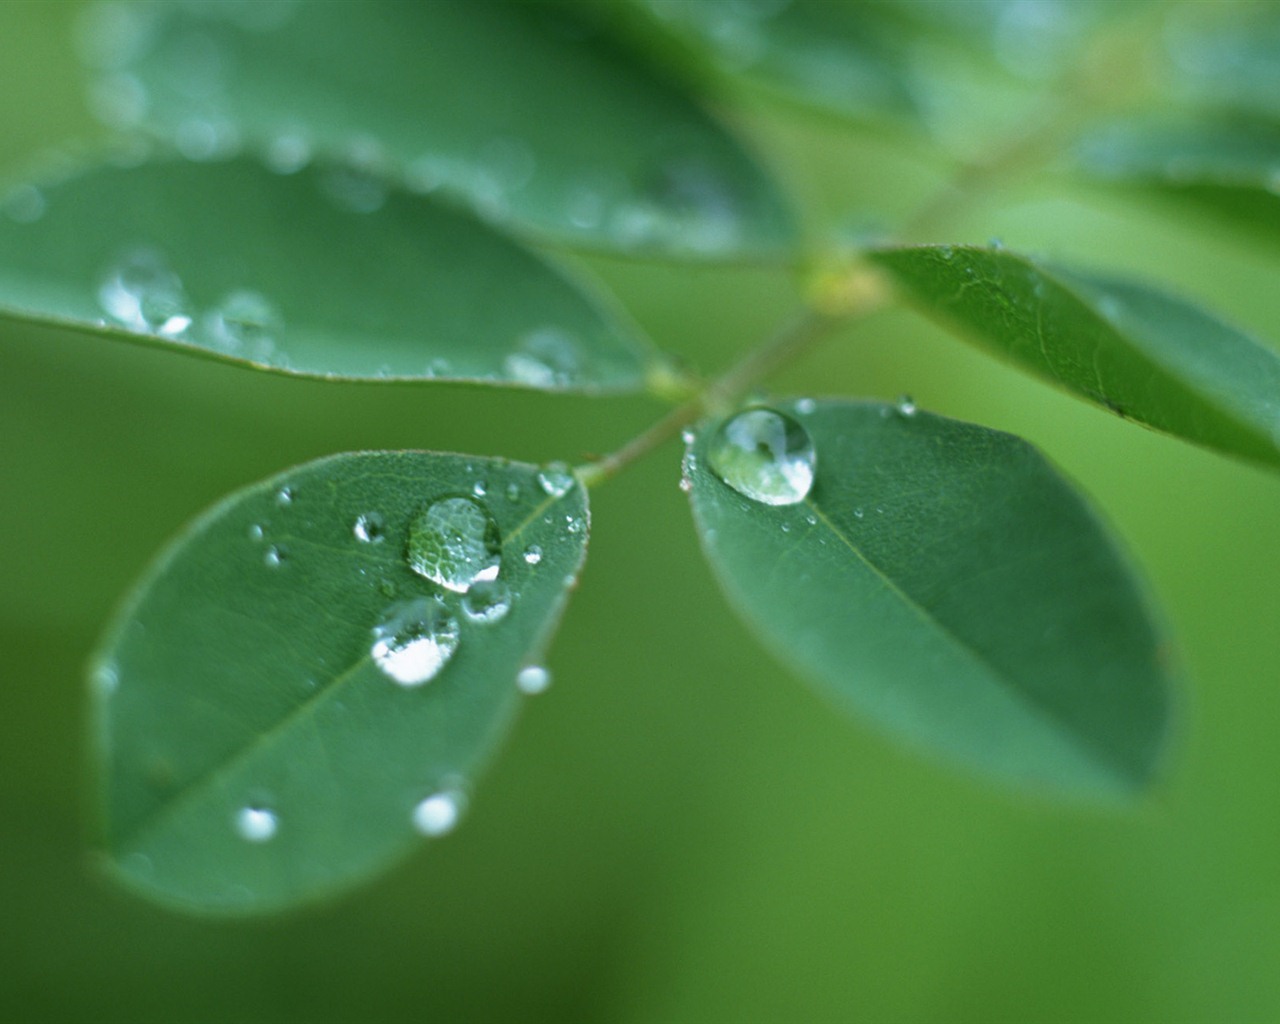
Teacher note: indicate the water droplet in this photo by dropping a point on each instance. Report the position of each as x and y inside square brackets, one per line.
[555, 479]
[488, 601]
[857, 513]
[142, 293]
[805, 406]
[533, 679]
[545, 358]
[245, 323]
[106, 678]
[414, 641]
[439, 813]
[687, 435]
[513, 491]
[256, 531]
[273, 557]
[256, 824]
[480, 488]
[368, 528]
[574, 525]
[284, 496]
[288, 153]
[25, 204]
[766, 456]
[533, 554]
[455, 542]
[686, 483]
[905, 405]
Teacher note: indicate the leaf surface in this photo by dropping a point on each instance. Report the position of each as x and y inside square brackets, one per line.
[942, 580]
[318, 273]
[257, 748]
[1140, 352]
[537, 118]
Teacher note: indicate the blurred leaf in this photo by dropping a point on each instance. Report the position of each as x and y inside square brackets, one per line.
[535, 117]
[1228, 165]
[842, 58]
[943, 580]
[283, 692]
[325, 273]
[1226, 56]
[1138, 351]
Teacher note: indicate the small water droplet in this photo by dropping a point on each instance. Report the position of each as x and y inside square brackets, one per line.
[545, 358]
[812, 520]
[906, 406]
[256, 531]
[288, 153]
[766, 456]
[284, 496]
[244, 323]
[273, 557]
[487, 602]
[533, 554]
[555, 479]
[368, 528]
[687, 435]
[480, 488]
[857, 513]
[414, 641]
[513, 491]
[106, 678]
[455, 542]
[533, 679]
[256, 824]
[805, 406]
[686, 483]
[439, 813]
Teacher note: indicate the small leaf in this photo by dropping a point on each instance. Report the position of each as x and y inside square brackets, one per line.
[290, 698]
[532, 115]
[322, 273]
[1227, 165]
[1144, 354]
[848, 60]
[941, 579]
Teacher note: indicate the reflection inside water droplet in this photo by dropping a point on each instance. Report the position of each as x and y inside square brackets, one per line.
[414, 641]
[533, 554]
[439, 813]
[906, 406]
[140, 292]
[455, 542]
[256, 824]
[555, 479]
[368, 528]
[765, 455]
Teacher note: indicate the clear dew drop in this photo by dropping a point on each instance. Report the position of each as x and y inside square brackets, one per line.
[256, 531]
[905, 406]
[414, 641]
[273, 557]
[764, 455]
[284, 496]
[480, 488]
[533, 679]
[533, 554]
[513, 491]
[805, 406]
[244, 323]
[439, 813]
[455, 542]
[487, 602]
[555, 479]
[256, 824]
[139, 291]
[368, 528]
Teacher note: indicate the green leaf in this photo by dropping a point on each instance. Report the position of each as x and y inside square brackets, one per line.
[535, 117]
[944, 581]
[1142, 353]
[1228, 165]
[844, 59]
[256, 746]
[322, 273]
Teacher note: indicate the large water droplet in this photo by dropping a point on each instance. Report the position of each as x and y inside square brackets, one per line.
[414, 641]
[439, 813]
[487, 601]
[256, 824]
[455, 542]
[764, 455]
[533, 679]
[245, 323]
[140, 292]
[555, 479]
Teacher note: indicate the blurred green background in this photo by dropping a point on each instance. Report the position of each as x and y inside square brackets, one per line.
[679, 830]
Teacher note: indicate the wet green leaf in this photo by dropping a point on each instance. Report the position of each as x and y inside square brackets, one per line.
[284, 690]
[943, 580]
[1138, 351]
[324, 273]
[537, 118]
